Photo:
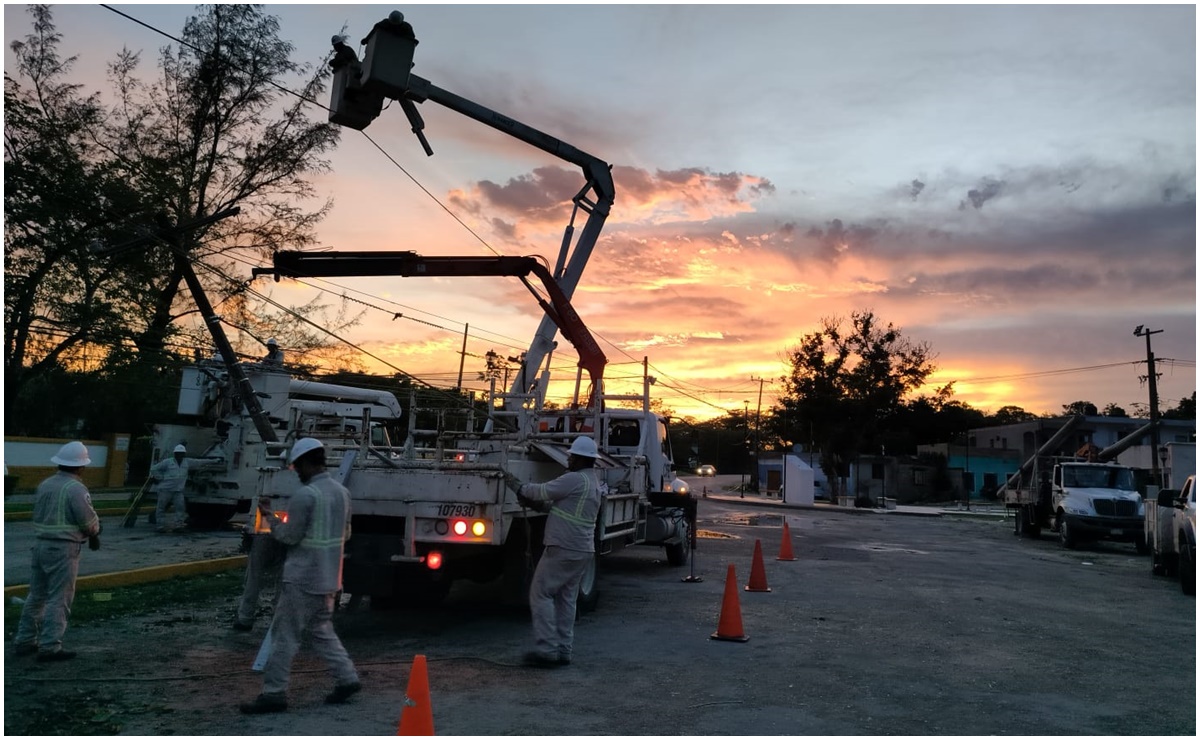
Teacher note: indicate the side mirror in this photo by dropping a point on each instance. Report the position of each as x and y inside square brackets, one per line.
[1167, 496]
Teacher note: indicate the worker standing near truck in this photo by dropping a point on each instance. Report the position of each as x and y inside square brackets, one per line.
[170, 477]
[63, 518]
[573, 499]
[315, 528]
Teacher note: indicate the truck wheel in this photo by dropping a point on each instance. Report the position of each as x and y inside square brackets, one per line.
[589, 593]
[1187, 570]
[677, 554]
[209, 516]
[1066, 535]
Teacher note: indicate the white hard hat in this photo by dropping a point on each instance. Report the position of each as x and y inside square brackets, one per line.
[306, 444]
[180, 448]
[584, 447]
[72, 455]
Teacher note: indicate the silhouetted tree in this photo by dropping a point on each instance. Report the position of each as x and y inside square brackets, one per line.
[845, 383]
[1086, 408]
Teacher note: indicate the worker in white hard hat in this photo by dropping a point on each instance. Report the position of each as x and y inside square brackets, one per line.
[572, 501]
[169, 476]
[63, 518]
[315, 528]
[274, 354]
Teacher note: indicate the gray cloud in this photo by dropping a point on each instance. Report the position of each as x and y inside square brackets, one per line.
[988, 188]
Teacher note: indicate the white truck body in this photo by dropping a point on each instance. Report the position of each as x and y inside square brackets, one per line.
[1171, 534]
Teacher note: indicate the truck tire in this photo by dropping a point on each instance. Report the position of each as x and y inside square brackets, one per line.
[677, 554]
[209, 516]
[1187, 569]
[1029, 526]
[1066, 534]
[589, 592]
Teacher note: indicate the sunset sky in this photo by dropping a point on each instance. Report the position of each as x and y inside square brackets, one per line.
[1014, 185]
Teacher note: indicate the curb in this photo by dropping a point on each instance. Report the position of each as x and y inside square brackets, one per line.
[152, 574]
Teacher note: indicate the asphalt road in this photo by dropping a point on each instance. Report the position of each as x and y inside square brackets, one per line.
[884, 625]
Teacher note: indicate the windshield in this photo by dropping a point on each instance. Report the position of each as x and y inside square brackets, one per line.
[1078, 476]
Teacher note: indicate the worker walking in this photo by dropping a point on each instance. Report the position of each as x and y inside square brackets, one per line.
[170, 477]
[63, 518]
[573, 499]
[315, 528]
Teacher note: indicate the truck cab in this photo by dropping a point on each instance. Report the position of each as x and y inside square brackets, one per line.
[1097, 501]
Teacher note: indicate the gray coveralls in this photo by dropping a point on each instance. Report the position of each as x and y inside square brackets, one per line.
[264, 564]
[172, 476]
[570, 546]
[63, 519]
[317, 527]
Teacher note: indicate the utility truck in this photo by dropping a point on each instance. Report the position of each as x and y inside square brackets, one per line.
[436, 508]
[1171, 534]
[1081, 498]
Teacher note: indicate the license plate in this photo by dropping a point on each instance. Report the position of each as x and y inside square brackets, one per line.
[1118, 532]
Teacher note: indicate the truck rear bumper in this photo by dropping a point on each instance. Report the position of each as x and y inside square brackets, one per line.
[1121, 529]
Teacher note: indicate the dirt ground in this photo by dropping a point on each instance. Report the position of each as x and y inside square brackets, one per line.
[884, 625]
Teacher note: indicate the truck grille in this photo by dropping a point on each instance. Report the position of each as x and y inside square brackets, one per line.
[1114, 507]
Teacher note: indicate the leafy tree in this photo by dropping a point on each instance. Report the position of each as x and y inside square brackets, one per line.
[1011, 415]
[1086, 408]
[213, 132]
[1113, 409]
[1185, 410]
[60, 195]
[845, 383]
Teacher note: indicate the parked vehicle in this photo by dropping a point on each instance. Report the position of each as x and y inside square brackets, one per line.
[1081, 500]
[1171, 534]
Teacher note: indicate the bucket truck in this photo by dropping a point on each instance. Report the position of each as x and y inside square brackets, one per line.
[436, 508]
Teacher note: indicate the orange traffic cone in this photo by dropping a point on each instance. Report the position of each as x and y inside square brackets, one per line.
[730, 625]
[416, 718]
[758, 574]
[785, 546]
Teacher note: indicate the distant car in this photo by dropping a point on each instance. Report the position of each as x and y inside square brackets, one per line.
[819, 491]
[706, 471]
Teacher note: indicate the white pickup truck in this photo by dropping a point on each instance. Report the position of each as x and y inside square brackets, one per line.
[1171, 534]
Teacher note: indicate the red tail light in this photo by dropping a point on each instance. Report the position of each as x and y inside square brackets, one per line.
[433, 560]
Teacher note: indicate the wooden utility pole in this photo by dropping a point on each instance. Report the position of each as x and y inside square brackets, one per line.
[757, 434]
[462, 356]
[1152, 377]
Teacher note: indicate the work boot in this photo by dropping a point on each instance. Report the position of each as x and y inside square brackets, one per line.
[55, 656]
[240, 626]
[26, 648]
[264, 704]
[535, 659]
[342, 693]
[563, 659]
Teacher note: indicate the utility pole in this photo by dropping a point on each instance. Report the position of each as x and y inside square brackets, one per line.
[745, 443]
[462, 356]
[757, 434]
[1152, 377]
